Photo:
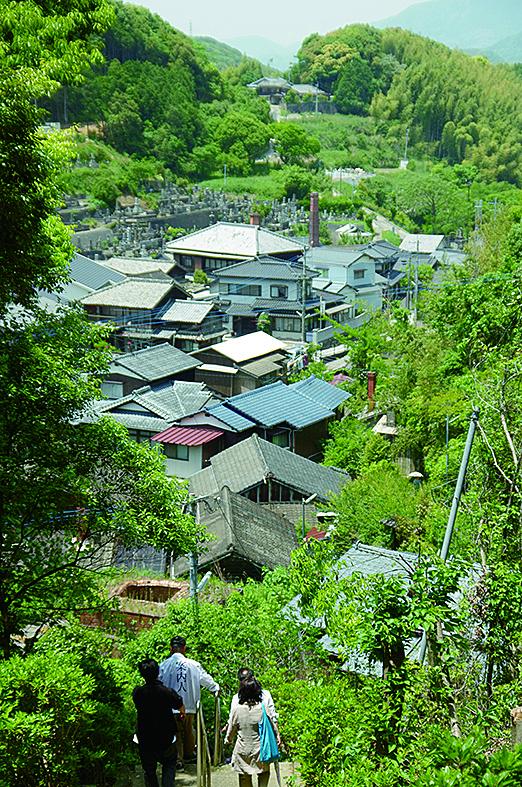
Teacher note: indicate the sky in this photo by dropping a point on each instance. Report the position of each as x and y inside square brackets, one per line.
[284, 21]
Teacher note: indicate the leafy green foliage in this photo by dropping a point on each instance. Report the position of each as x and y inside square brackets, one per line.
[368, 509]
[111, 487]
[293, 144]
[393, 75]
[34, 253]
[45, 712]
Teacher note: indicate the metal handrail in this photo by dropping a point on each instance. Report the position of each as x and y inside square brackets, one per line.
[218, 740]
[203, 766]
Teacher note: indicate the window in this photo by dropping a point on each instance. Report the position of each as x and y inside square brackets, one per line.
[112, 390]
[282, 439]
[359, 273]
[245, 289]
[287, 324]
[140, 437]
[180, 452]
[278, 291]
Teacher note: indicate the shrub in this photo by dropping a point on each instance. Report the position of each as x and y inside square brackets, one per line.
[46, 711]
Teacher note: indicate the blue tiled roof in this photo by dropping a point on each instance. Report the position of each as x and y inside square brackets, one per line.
[277, 404]
[229, 417]
[92, 274]
[321, 392]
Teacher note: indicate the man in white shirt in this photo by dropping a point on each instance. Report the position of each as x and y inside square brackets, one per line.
[186, 676]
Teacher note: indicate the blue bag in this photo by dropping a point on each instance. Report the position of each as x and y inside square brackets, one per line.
[268, 750]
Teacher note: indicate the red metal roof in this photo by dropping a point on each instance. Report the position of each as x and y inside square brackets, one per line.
[187, 435]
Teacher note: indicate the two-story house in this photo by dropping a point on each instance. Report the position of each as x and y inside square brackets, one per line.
[350, 273]
[153, 365]
[294, 417]
[276, 288]
[192, 324]
[133, 305]
[224, 243]
[150, 410]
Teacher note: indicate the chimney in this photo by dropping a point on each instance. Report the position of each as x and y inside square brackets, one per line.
[313, 232]
[372, 377]
[255, 219]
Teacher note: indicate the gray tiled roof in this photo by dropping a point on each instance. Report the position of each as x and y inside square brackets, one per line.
[246, 529]
[261, 367]
[154, 363]
[321, 392]
[163, 404]
[264, 268]
[189, 311]
[252, 461]
[131, 293]
[92, 274]
[131, 266]
[239, 241]
[369, 560]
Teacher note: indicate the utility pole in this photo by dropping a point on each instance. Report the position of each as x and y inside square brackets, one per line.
[478, 214]
[416, 285]
[455, 504]
[317, 99]
[303, 298]
[406, 144]
[224, 176]
[460, 485]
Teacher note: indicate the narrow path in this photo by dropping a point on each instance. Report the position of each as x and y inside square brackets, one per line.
[224, 776]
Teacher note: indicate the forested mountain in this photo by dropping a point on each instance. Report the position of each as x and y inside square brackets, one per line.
[508, 50]
[220, 54]
[457, 107]
[157, 95]
[468, 24]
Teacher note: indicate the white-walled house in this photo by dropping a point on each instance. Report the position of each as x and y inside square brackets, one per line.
[275, 287]
[352, 268]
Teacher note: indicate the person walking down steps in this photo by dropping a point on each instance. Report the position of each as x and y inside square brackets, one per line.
[156, 725]
[186, 677]
[244, 723]
[245, 673]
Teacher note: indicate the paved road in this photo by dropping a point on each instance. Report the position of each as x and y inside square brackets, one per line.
[224, 777]
[381, 224]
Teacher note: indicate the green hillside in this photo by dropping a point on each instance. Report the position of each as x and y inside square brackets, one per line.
[458, 108]
[220, 54]
[158, 96]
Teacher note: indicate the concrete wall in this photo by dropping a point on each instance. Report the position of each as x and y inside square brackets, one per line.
[184, 469]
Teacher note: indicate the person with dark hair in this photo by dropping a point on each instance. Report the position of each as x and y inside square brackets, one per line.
[244, 722]
[243, 674]
[156, 725]
[186, 677]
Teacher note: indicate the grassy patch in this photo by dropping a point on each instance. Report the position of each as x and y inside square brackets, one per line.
[262, 186]
[351, 141]
[391, 237]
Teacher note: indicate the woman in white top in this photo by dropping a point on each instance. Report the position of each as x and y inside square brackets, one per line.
[244, 722]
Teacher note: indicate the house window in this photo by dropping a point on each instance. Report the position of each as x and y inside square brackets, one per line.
[278, 291]
[282, 439]
[180, 452]
[245, 289]
[140, 437]
[359, 274]
[112, 390]
[287, 324]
